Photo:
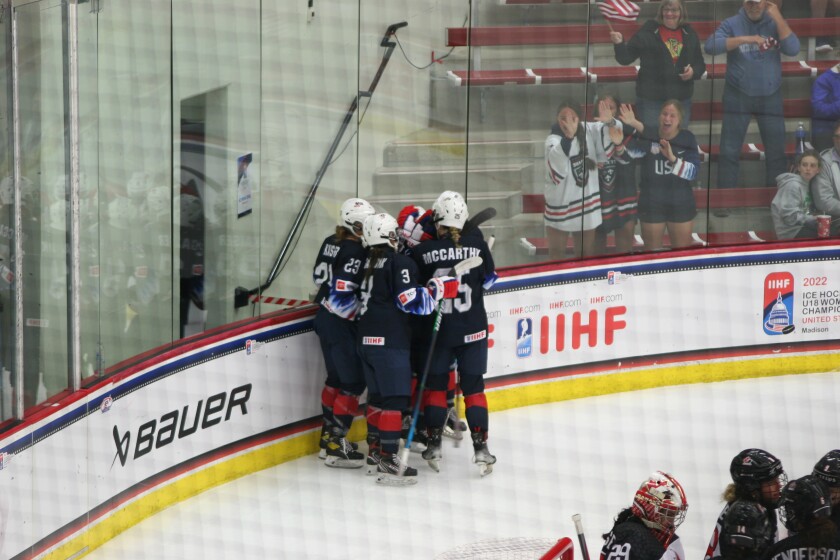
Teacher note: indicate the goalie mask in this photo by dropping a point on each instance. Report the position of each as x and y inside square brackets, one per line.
[450, 210]
[353, 213]
[660, 503]
[380, 229]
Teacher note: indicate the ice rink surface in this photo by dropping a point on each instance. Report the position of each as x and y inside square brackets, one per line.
[585, 456]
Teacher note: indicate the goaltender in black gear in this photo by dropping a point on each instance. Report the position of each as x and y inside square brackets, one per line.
[647, 529]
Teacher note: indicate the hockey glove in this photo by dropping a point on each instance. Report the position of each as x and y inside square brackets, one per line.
[413, 221]
[443, 287]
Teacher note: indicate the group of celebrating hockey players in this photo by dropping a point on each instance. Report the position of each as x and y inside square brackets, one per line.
[747, 528]
[379, 280]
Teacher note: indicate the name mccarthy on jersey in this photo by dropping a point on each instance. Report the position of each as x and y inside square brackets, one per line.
[450, 254]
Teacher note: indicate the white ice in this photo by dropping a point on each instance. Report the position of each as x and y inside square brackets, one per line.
[585, 456]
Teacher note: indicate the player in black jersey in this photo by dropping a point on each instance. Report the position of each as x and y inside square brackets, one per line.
[647, 529]
[757, 476]
[389, 293]
[463, 330]
[746, 533]
[806, 512]
[827, 469]
[337, 273]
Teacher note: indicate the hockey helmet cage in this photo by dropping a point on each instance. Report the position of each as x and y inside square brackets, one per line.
[450, 210]
[746, 526]
[660, 503]
[380, 229]
[827, 469]
[802, 501]
[353, 213]
[751, 467]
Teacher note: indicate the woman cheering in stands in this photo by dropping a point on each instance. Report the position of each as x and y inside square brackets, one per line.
[670, 160]
[670, 59]
[573, 150]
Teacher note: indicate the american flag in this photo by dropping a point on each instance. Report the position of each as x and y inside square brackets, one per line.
[619, 10]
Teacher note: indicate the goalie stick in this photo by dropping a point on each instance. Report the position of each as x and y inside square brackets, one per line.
[584, 552]
[461, 268]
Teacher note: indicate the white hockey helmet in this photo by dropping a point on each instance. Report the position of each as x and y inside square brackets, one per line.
[380, 229]
[660, 503]
[450, 210]
[353, 213]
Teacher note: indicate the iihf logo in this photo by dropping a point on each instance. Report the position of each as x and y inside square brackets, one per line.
[106, 404]
[523, 338]
[778, 303]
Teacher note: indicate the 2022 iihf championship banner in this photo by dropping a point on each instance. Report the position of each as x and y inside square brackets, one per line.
[667, 306]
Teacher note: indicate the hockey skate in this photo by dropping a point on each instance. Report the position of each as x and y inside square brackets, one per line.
[325, 439]
[454, 427]
[389, 471]
[433, 453]
[482, 457]
[418, 442]
[373, 457]
[341, 455]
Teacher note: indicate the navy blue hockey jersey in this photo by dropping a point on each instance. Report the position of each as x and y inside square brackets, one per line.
[464, 317]
[387, 296]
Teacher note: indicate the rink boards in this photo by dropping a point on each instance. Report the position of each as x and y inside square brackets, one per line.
[248, 397]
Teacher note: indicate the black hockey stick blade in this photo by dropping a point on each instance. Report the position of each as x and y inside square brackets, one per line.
[479, 218]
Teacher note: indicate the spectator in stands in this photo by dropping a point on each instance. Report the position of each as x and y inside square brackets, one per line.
[670, 60]
[825, 107]
[617, 182]
[754, 40]
[819, 9]
[792, 208]
[670, 159]
[825, 189]
[573, 150]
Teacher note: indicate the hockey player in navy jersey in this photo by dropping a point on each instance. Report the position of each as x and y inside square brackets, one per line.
[757, 476]
[805, 508]
[337, 273]
[647, 529]
[827, 469]
[670, 160]
[463, 329]
[389, 293]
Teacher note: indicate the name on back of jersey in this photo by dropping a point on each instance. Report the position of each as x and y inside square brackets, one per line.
[450, 254]
[330, 250]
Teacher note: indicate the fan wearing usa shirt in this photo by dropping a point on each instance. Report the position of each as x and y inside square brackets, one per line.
[670, 60]
[670, 159]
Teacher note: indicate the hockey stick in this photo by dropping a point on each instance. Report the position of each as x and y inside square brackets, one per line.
[242, 296]
[462, 267]
[482, 216]
[584, 552]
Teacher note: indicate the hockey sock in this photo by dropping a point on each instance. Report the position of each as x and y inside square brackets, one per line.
[373, 415]
[345, 409]
[435, 410]
[477, 416]
[450, 388]
[390, 425]
[328, 395]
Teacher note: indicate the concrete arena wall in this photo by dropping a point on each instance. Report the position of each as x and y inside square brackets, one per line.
[246, 397]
